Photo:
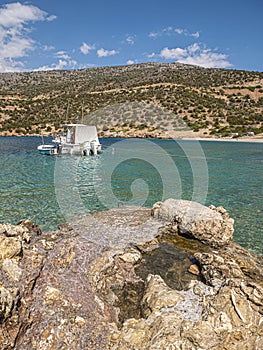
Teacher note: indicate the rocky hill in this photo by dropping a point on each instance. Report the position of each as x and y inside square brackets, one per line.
[148, 97]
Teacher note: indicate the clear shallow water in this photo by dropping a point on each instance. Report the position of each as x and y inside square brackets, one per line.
[50, 190]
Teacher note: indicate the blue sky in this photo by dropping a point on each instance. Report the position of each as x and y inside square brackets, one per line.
[56, 34]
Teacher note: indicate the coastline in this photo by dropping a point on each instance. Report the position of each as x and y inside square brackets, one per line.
[248, 139]
[226, 139]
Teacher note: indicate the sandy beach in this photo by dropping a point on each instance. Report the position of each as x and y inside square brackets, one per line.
[227, 139]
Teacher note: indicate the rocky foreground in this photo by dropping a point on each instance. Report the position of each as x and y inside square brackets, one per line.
[131, 278]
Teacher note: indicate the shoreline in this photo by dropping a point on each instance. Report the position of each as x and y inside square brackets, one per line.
[226, 139]
[249, 139]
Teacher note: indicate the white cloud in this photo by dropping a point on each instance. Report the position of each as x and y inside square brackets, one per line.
[17, 14]
[151, 55]
[105, 53]
[153, 35]
[130, 62]
[64, 62]
[173, 54]
[63, 55]
[61, 64]
[86, 48]
[179, 30]
[15, 42]
[164, 31]
[186, 33]
[51, 18]
[15, 48]
[48, 48]
[195, 35]
[196, 55]
[208, 59]
[130, 39]
[193, 48]
[168, 31]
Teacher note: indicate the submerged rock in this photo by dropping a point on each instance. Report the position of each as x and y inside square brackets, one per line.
[182, 284]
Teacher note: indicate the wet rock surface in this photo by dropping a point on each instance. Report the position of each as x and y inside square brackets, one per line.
[118, 227]
[77, 288]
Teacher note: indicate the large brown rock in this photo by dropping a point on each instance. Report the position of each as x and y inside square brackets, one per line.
[64, 290]
[208, 224]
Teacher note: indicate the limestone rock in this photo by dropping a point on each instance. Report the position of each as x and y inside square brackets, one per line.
[6, 302]
[10, 247]
[209, 225]
[194, 269]
[11, 268]
[30, 226]
[158, 296]
[12, 231]
[132, 256]
[52, 294]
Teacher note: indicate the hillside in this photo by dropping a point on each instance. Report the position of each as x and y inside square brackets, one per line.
[148, 97]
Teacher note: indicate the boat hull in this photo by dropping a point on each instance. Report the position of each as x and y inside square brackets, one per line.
[48, 149]
[76, 149]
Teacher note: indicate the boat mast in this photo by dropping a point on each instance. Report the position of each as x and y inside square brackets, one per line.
[82, 117]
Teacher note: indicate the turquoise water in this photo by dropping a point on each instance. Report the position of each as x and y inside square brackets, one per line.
[50, 190]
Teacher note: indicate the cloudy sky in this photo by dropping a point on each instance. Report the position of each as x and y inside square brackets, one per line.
[56, 34]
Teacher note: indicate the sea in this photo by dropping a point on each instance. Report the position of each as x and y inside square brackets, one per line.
[51, 190]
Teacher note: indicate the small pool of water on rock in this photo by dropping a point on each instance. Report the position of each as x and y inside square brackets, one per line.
[170, 263]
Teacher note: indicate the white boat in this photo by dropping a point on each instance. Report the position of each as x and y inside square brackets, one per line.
[78, 139]
[48, 149]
